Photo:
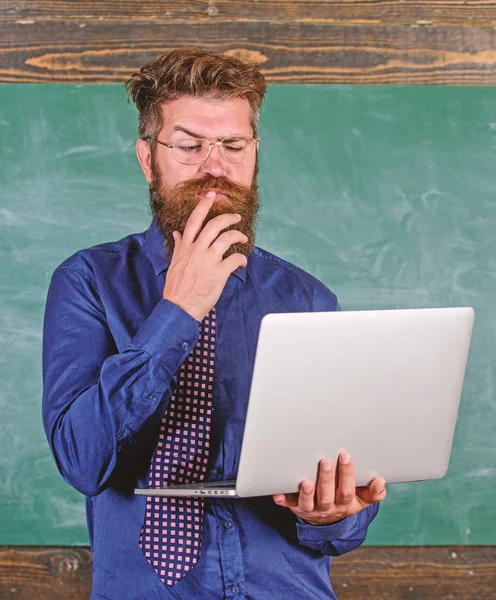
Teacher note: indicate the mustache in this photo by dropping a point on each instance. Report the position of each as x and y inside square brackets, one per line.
[192, 187]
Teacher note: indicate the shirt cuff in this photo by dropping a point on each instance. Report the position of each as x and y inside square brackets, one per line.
[325, 533]
[169, 334]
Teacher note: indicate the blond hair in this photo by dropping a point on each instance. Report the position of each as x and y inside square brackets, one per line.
[196, 73]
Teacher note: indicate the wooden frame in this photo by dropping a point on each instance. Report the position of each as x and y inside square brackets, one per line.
[378, 573]
[301, 41]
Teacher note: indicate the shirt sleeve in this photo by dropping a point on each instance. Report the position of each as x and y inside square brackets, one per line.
[96, 400]
[324, 300]
[338, 538]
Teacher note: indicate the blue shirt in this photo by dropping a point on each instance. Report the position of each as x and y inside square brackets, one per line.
[112, 350]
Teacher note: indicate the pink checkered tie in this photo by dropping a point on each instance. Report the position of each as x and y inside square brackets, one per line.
[171, 534]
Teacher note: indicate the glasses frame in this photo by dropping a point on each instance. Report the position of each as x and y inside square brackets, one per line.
[211, 145]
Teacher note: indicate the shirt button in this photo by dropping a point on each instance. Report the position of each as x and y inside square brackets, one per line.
[184, 346]
[152, 396]
[235, 589]
[228, 524]
[214, 471]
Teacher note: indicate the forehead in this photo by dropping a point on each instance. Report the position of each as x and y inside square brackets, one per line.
[208, 117]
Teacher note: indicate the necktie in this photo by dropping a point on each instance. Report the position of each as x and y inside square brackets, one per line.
[171, 534]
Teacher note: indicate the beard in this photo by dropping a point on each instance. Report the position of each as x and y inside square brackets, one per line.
[172, 206]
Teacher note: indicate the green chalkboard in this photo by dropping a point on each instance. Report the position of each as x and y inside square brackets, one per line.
[387, 194]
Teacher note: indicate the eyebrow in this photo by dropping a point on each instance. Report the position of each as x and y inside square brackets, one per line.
[187, 131]
[197, 135]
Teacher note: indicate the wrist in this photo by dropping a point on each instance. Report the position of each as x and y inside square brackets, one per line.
[192, 311]
[321, 522]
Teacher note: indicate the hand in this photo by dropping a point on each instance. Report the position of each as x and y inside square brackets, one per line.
[197, 273]
[332, 499]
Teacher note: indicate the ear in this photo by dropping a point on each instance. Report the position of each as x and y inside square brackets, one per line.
[145, 158]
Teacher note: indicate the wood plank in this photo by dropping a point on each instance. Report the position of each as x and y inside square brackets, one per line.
[385, 573]
[45, 573]
[385, 12]
[109, 51]
[419, 573]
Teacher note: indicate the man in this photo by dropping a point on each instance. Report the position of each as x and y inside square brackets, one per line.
[129, 330]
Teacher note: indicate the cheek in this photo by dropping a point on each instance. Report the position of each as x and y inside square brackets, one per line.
[174, 173]
[244, 173]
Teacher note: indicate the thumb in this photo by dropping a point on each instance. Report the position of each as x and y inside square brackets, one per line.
[376, 492]
[177, 237]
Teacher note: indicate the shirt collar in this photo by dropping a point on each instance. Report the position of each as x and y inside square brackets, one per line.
[160, 256]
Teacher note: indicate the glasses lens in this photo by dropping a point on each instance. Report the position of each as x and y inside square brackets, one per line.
[190, 151]
[236, 149]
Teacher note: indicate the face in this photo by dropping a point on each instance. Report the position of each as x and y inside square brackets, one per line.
[175, 188]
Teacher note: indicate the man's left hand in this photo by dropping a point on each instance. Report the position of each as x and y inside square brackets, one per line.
[335, 495]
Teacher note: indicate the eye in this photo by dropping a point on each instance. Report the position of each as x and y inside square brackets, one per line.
[189, 148]
[235, 144]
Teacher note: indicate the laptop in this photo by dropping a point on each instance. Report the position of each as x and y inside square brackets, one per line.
[383, 385]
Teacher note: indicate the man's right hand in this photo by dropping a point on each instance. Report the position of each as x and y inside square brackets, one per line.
[198, 273]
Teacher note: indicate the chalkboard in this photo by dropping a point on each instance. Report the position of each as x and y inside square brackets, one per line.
[386, 194]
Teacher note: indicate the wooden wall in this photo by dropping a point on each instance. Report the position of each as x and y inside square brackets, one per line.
[387, 573]
[313, 41]
[436, 42]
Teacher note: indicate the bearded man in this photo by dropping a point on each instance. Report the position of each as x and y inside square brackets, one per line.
[149, 345]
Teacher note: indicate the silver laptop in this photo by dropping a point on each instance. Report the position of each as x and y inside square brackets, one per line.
[383, 385]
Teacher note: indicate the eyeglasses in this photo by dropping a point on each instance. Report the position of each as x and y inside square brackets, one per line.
[194, 151]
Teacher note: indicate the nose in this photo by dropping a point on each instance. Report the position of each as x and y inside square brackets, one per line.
[215, 164]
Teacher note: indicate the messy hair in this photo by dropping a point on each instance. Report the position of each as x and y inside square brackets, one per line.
[194, 73]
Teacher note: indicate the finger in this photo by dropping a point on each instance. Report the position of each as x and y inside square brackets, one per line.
[326, 485]
[212, 229]
[287, 500]
[226, 240]
[345, 491]
[376, 492]
[231, 263]
[177, 241]
[177, 238]
[306, 501]
[197, 218]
